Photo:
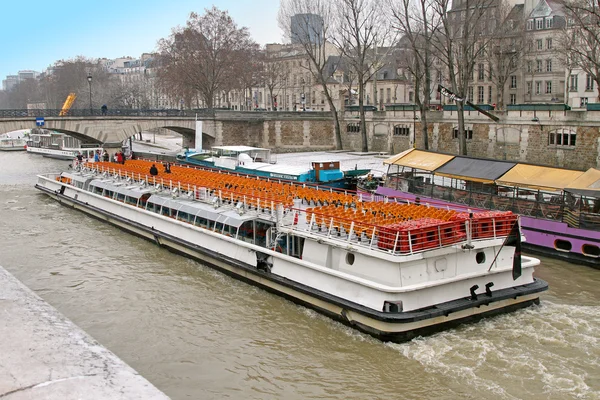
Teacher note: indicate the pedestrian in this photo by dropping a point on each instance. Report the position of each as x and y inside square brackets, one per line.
[104, 109]
[79, 158]
[97, 156]
[167, 168]
[116, 158]
[153, 170]
[105, 156]
[132, 156]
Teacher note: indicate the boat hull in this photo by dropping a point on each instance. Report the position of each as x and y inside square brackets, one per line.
[544, 237]
[396, 327]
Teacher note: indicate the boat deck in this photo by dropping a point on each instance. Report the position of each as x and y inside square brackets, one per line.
[391, 227]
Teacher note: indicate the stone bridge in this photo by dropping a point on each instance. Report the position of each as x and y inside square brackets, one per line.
[283, 131]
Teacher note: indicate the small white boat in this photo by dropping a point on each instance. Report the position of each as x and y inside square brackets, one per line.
[10, 144]
[59, 146]
[394, 271]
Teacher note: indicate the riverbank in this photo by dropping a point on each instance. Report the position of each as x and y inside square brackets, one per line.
[44, 355]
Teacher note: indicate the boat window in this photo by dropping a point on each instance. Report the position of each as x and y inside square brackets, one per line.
[152, 207]
[131, 200]
[246, 232]
[218, 227]
[260, 232]
[480, 257]
[201, 222]
[97, 190]
[108, 193]
[230, 230]
[183, 216]
[144, 199]
[120, 197]
[297, 246]
[590, 250]
[350, 258]
[165, 211]
[562, 245]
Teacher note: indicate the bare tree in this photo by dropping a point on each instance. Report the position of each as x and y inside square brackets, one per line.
[314, 41]
[274, 72]
[582, 37]
[360, 29]
[505, 49]
[203, 56]
[465, 29]
[417, 23]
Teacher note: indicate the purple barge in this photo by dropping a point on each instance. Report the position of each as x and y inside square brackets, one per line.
[559, 208]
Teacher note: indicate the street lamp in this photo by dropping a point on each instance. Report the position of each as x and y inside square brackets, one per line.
[89, 78]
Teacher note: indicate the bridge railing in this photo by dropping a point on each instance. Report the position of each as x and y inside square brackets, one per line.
[124, 112]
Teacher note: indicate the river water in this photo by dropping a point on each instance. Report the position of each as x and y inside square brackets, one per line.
[197, 334]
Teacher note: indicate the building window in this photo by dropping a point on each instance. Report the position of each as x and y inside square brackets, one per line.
[530, 46]
[513, 81]
[470, 95]
[562, 137]
[549, 23]
[401, 130]
[583, 102]
[480, 72]
[529, 66]
[549, 43]
[540, 44]
[353, 127]
[513, 98]
[489, 95]
[529, 24]
[539, 23]
[528, 87]
[538, 67]
[538, 87]
[480, 94]
[468, 133]
[573, 83]
[589, 83]
[388, 97]
[548, 87]
[549, 65]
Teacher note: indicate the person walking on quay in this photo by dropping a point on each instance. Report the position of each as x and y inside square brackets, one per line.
[153, 170]
[104, 109]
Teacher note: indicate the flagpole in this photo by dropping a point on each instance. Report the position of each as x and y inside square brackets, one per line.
[506, 240]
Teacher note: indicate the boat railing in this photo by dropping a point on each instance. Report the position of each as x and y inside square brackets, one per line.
[425, 230]
[532, 203]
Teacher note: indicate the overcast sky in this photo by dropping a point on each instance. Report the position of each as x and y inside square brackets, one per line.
[35, 34]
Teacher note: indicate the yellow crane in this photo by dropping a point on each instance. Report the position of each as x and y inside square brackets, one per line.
[68, 103]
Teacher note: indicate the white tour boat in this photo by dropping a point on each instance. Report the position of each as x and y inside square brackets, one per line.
[60, 146]
[394, 271]
[10, 144]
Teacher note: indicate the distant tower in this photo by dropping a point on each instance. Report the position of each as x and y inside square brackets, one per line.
[306, 28]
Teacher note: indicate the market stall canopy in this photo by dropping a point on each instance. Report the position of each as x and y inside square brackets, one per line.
[537, 177]
[475, 170]
[419, 159]
[588, 184]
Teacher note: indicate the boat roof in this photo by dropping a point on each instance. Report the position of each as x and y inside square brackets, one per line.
[224, 215]
[588, 184]
[239, 149]
[133, 191]
[419, 159]
[538, 177]
[277, 168]
[475, 169]
[490, 171]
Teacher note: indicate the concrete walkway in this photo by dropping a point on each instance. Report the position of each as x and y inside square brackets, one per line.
[43, 355]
